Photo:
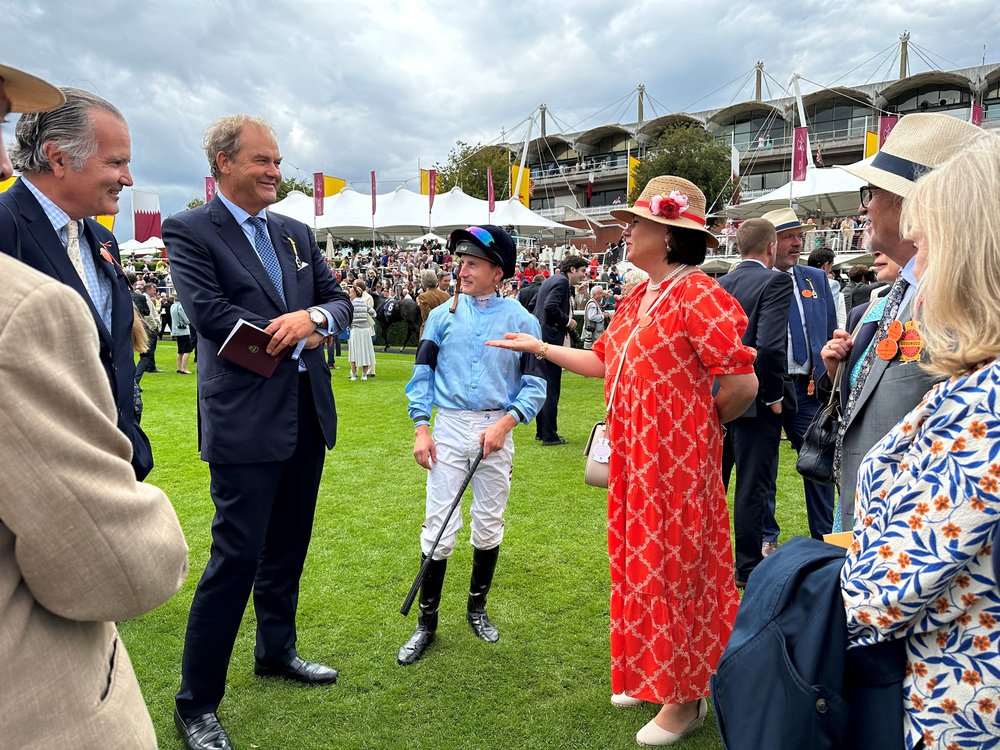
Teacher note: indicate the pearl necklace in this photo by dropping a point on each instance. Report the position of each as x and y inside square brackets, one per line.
[651, 287]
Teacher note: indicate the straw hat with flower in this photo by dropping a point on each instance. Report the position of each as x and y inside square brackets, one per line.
[673, 201]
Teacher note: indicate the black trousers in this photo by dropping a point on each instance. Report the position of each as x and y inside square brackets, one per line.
[752, 445]
[260, 536]
[147, 360]
[546, 423]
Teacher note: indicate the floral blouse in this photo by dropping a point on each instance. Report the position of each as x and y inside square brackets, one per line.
[919, 567]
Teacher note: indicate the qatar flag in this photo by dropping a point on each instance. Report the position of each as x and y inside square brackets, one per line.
[145, 215]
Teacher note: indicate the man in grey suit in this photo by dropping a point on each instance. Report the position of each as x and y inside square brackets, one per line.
[882, 384]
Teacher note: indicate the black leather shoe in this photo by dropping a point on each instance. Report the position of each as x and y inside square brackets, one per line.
[482, 626]
[559, 440]
[202, 732]
[299, 670]
[417, 643]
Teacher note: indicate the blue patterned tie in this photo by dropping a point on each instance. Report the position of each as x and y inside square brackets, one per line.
[265, 251]
[800, 349]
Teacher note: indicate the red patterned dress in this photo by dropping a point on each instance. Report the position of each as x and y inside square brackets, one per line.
[673, 597]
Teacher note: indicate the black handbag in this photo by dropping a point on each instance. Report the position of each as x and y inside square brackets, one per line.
[815, 461]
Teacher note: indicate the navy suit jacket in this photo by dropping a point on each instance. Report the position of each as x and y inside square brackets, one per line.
[244, 417]
[819, 312]
[764, 295]
[42, 249]
[552, 308]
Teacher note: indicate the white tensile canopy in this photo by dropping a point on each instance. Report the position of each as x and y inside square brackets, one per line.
[404, 212]
[429, 237]
[832, 192]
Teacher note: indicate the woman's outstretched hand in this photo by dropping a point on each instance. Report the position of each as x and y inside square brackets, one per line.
[518, 342]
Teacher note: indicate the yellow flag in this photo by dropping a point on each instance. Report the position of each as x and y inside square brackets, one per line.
[425, 182]
[524, 192]
[332, 185]
[871, 143]
[6, 184]
[633, 165]
[107, 221]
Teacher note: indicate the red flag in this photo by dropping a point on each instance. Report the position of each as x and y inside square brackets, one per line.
[145, 215]
[734, 167]
[373, 192]
[885, 125]
[431, 188]
[977, 115]
[209, 189]
[490, 196]
[800, 154]
[319, 185]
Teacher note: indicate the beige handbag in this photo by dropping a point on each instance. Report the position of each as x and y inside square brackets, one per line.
[598, 450]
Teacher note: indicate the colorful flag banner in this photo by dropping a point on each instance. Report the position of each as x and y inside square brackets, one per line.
[107, 221]
[425, 182]
[633, 165]
[734, 169]
[800, 154]
[319, 188]
[524, 192]
[145, 215]
[977, 115]
[885, 125]
[209, 189]
[490, 195]
[332, 185]
[431, 188]
[6, 184]
[373, 192]
[871, 143]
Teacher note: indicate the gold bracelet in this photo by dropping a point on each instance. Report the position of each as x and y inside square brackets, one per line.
[542, 351]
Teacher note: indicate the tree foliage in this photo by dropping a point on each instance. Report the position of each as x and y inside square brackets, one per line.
[466, 167]
[195, 202]
[290, 183]
[688, 151]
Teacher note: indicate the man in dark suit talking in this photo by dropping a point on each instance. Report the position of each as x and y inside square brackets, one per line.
[264, 439]
[753, 439]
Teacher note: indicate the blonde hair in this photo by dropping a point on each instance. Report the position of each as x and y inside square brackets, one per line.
[140, 339]
[952, 216]
[753, 237]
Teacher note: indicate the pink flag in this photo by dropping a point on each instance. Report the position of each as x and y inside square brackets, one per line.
[977, 115]
[209, 189]
[145, 215]
[490, 195]
[800, 154]
[373, 192]
[885, 125]
[431, 188]
[318, 186]
[734, 166]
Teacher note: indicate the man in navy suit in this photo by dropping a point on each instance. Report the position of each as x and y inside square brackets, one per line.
[74, 162]
[812, 319]
[265, 439]
[752, 440]
[552, 308]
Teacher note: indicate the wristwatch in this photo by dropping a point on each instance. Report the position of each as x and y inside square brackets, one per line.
[317, 317]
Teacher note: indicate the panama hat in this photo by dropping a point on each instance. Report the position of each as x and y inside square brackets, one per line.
[673, 201]
[916, 145]
[28, 93]
[783, 219]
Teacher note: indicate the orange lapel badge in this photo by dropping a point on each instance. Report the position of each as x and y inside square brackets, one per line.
[911, 343]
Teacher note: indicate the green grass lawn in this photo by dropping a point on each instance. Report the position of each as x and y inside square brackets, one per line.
[544, 685]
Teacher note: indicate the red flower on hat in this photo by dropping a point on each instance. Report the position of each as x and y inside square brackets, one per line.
[668, 206]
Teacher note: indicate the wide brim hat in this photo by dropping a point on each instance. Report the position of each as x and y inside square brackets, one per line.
[489, 242]
[672, 201]
[783, 219]
[916, 145]
[28, 93]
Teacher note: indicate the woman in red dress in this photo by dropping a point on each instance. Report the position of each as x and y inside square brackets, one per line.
[673, 597]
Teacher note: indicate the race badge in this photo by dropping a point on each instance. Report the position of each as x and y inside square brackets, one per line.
[889, 346]
[911, 343]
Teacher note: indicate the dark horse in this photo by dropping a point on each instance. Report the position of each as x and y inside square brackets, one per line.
[389, 311]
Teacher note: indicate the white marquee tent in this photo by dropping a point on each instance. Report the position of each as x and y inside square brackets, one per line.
[832, 192]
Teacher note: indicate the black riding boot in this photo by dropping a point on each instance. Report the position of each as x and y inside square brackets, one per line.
[484, 562]
[427, 617]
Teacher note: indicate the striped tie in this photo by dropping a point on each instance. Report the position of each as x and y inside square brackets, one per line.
[265, 251]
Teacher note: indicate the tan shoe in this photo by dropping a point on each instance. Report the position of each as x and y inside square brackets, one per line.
[620, 700]
[767, 548]
[653, 735]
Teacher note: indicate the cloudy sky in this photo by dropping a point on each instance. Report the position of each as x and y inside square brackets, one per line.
[356, 86]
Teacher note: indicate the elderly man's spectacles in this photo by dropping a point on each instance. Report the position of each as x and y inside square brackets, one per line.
[866, 195]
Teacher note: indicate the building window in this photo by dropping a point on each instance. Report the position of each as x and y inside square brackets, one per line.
[934, 97]
[763, 128]
[839, 118]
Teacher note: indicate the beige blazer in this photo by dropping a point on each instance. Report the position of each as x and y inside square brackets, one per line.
[82, 544]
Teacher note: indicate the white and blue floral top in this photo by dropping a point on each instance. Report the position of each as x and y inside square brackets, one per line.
[919, 566]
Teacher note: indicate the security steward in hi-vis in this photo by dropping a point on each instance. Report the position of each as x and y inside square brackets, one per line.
[480, 393]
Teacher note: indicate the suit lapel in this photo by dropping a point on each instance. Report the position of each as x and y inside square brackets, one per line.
[232, 234]
[879, 366]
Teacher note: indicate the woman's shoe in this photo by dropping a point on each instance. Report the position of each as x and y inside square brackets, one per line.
[354, 377]
[620, 700]
[653, 735]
